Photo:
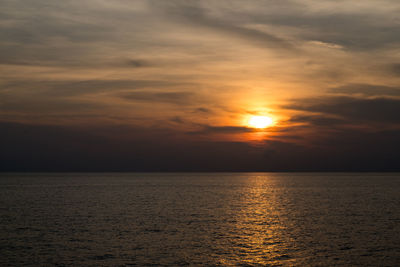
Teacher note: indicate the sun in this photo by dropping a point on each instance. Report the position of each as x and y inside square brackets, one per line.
[260, 122]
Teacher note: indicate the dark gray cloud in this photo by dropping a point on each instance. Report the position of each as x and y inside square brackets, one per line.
[29, 147]
[177, 98]
[138, 63]
[202, 110]
[337, 23]
[208, 129]
[72, 33]
[177, 119]
[348, 30]
[343, 24]
[190, 12]
[55, 148]
[37, 31]
[366, 90]
[82, 32]
[394, 69]
[352, 109]
[29, 98]
[27, 106]
[45, 55]
[318, 120]
[81, 87]
[345, 150]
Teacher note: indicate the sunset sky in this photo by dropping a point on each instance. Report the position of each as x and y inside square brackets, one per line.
[153, 85]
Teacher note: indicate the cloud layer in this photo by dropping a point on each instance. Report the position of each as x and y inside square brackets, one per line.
[185, 75]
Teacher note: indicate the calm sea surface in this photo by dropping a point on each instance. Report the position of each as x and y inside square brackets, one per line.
[200, 219]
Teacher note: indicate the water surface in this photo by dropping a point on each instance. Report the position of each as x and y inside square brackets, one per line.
[177, 219]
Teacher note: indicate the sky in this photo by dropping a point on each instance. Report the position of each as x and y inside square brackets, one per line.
[153, 85]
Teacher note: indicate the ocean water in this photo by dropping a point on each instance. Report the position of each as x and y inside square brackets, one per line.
[200, 219]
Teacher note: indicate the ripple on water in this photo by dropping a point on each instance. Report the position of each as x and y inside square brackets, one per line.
[200, 219]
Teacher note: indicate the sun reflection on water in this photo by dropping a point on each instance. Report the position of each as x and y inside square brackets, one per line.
[261, 238]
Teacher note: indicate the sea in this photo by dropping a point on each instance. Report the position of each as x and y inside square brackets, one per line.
[200, 219]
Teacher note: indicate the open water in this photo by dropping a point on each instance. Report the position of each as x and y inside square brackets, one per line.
[200, 219]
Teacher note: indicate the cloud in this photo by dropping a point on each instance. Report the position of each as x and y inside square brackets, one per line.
[27, 106]
[71, 33]
[176, 63]
[55, 148]
[208, 129]
[345, 150]
[81, 87]
[190, 12]
[338, 23]
[177, 119]
[381, 110]
[318, 120]
[177, 98]
[202, 110]
[394, 69]
[366, 90]
[85, 33]
[138, 63]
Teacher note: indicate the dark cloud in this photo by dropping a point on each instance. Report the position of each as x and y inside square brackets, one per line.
[178, 98]
[207, 129]
[39, 30]
[202, 110]
[381, 110]
[55, 148]
[45, 55]
[75, 34]
[65, 34]
[190, 12]
[177, 119]
[366, 90]
[346, 150]
[318, 120]
[80, 87]
[52, 148]
[27, 106]
[394, 69]
[355, 29]
[138, 63]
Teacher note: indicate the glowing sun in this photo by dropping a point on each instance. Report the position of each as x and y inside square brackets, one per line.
[260, 122]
